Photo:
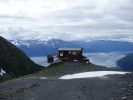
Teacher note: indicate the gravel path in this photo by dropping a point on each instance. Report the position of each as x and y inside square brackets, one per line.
[32, 87]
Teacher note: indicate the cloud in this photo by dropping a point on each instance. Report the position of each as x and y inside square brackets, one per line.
[70, 20]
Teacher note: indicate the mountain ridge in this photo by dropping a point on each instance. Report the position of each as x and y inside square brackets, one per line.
[37, 47]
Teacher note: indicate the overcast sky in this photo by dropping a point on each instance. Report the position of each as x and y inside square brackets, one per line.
[67, 19]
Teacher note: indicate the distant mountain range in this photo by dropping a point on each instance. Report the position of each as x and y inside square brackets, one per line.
[42, 48]
[14, 62]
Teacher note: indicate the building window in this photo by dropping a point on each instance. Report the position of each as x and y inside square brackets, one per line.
[74, 53]
[70, 52]
[61, 54]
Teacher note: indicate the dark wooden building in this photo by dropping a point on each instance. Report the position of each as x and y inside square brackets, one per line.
[70, 54]
[67, 54]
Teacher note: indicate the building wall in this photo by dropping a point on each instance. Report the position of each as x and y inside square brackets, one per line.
[70, 55]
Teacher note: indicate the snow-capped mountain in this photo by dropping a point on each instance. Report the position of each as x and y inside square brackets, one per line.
[42, 48]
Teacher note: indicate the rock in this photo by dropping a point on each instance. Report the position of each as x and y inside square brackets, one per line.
[123, 98]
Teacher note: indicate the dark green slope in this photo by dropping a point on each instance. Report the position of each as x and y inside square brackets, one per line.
[14, 61]
[126, 62]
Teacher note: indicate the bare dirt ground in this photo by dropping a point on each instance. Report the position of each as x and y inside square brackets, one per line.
[36, 87]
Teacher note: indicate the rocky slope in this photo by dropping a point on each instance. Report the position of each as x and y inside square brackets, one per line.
[46, 85]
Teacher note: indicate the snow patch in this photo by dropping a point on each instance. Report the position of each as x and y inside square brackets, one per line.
[2, 72]
[91, 74]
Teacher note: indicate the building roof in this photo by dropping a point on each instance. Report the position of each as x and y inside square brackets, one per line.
[69, 49]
